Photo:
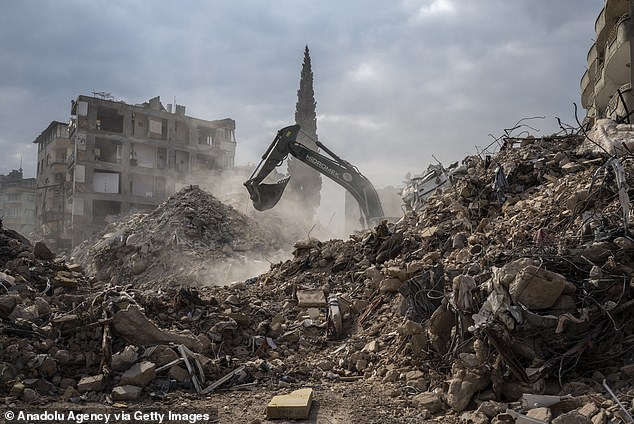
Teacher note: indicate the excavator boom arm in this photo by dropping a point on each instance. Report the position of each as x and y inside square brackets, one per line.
[265, 196]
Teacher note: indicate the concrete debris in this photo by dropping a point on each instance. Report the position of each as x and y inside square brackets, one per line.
[127, 392]
[311, 298]
[140, 374]
[295, 405]
[132, 324]
[192, 236]
[429, 401]
[502, 296]
[90, 384]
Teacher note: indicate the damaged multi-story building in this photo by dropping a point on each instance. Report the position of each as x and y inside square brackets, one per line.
[17, 202]
[53, 208]
[606, 86]
[122, 157]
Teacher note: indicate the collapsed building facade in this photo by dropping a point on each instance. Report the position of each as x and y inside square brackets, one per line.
[606, 86]
[115, 157]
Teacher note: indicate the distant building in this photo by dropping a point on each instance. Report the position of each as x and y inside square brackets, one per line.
[606, 86]
[17, 202]
[53, 208]
[120, 157]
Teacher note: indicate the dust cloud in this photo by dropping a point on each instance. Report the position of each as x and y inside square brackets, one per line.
[196, 238]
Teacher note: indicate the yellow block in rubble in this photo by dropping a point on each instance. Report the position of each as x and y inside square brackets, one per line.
[295, 405]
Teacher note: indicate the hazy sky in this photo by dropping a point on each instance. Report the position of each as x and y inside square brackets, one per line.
[395, 81]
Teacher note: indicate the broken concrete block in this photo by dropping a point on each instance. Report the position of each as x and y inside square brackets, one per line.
[390, 285]
[295, 405]
[93, 383]
[134, 240]
[371, 347]
[600, 418]
[537, 288]
[491, 408]
[139, 374]
[508, 272]
[63, 357]
[137, 329]
[541, 413]
[414, 375]
[123, 360]
[397, 272]
[178, 373]
[589, 410]
[127, 392]
[41, 251]
[311, 298]
[572, 417]
[429, 401]
[415, 267]
[409, 328]
[474, 417]
[464, 384]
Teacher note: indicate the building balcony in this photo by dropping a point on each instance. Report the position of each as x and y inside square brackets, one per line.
[599, 24]
[603, 90]
[594, 59]
[617, 59]
[592, 55]
[587, 90]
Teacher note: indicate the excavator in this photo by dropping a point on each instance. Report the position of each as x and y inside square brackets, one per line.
[266, 195]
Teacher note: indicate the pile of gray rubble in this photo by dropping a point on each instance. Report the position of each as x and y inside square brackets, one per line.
[191, 238]
[506, 296]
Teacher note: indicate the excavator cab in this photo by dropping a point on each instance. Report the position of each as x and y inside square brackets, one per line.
[265, 196]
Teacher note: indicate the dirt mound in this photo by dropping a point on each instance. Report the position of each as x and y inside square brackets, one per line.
[190, 239]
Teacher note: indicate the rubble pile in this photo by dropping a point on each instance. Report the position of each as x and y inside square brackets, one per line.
[516, 280]
[191, 238]
[505, 296]
[38, 296]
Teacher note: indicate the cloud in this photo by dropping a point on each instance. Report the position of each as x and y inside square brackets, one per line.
[410, 78]
[435, 8]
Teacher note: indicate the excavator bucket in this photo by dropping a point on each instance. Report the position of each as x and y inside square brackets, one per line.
[265, 196]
